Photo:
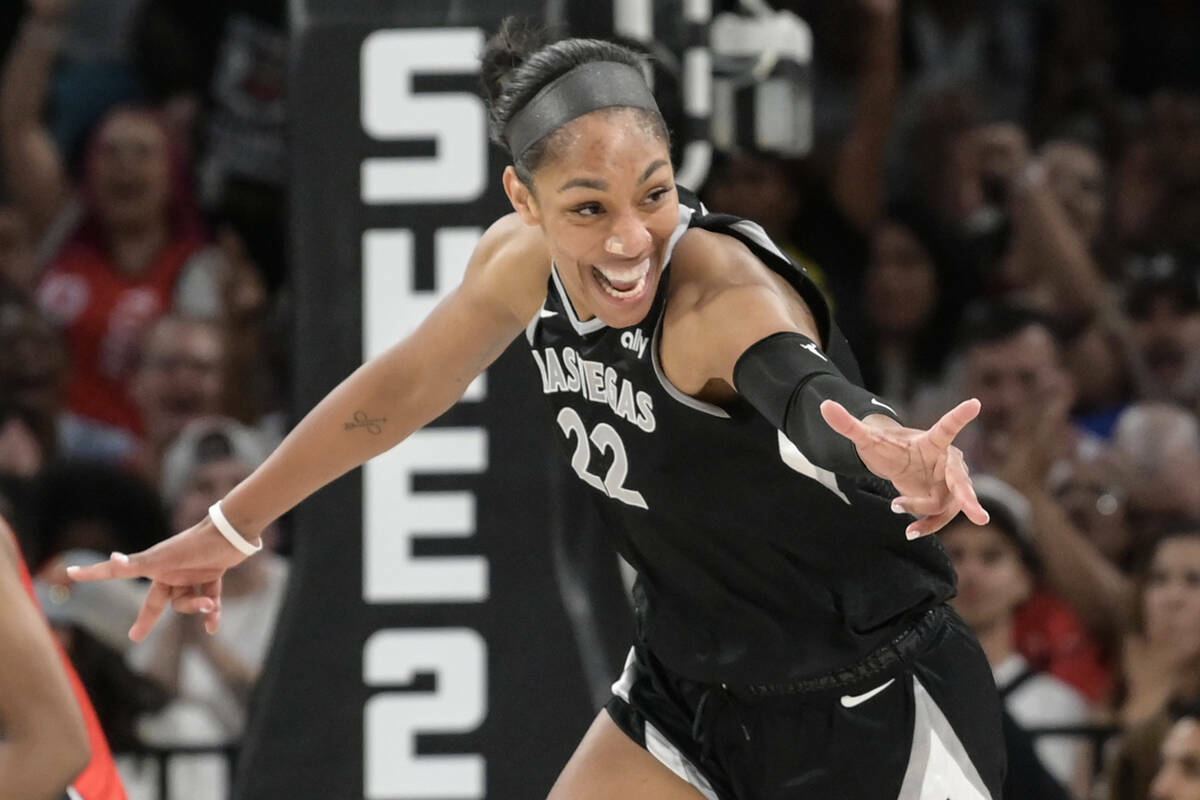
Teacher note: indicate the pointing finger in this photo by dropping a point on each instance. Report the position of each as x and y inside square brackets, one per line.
[118, 565]
[951, 424]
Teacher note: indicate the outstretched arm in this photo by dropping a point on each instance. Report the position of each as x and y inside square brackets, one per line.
[398, 392]
[738, 325]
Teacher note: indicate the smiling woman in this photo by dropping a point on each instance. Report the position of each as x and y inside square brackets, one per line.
[793, 638]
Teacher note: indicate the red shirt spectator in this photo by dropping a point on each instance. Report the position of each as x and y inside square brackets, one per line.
[1052, 638]
[138, 252]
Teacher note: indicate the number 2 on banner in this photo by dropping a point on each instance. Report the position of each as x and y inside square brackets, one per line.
[606, 438]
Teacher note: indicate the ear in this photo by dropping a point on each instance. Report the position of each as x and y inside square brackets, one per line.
[521, 197]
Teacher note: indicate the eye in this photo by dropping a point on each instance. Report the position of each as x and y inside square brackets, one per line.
[588, 210]
[657, 194]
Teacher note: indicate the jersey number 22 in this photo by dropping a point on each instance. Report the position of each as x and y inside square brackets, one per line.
[605, 437]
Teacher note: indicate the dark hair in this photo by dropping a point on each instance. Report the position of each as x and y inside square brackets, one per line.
[1178, 529]
[119, 695]
[992, 322]
[521, 59]
[124, 510]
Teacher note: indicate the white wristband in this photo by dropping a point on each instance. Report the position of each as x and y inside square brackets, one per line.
[229, 532]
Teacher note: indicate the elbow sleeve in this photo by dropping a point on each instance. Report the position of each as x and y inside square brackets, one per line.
[786, 377]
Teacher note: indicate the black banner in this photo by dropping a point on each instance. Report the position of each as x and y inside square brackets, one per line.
[424, 651]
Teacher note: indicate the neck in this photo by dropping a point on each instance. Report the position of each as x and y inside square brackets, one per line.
[133, 248]
[997, 641]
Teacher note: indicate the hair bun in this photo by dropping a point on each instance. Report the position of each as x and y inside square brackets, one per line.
[506, 51]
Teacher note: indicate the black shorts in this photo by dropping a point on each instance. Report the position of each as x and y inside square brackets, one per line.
[917, 720]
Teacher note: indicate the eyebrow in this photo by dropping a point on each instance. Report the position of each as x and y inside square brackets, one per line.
[601, 186]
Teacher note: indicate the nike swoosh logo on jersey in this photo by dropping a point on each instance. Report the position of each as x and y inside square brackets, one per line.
[545, 314]
[875, 402]
[852, 700]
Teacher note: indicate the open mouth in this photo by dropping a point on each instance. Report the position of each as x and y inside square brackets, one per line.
[623, 283]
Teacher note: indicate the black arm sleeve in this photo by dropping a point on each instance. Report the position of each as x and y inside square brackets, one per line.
[787, 377]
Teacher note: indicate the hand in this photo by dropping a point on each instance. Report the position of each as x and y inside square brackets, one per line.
[1031, 447]
[924, 466]
[186, 570]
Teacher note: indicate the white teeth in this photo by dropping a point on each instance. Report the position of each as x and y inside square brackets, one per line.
[621, 295]
[626, 275]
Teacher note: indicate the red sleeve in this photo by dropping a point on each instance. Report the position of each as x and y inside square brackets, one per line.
[1051, 636]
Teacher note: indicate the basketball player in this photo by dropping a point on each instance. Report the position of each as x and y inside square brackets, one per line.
[793, 640]
[51, 744]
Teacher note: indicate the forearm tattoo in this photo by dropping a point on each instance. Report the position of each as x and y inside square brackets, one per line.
[374, 425]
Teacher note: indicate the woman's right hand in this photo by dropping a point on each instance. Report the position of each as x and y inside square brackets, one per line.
[186, 572]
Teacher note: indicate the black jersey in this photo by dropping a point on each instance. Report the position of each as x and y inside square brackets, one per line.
[754, 565]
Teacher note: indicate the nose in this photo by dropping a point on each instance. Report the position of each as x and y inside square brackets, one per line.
[627, 237]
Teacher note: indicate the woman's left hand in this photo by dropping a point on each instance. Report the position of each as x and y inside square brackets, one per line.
[924, 466]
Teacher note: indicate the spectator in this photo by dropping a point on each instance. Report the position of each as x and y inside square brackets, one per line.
[997, 571]
[138, 248]
[1163, 304]
[1161, 658]
[211, 678]
[1012, 361]
[1159, 446]
[179, 377]
[1095, 497]
[912, 293]
[33, 379]
[1179, 776]
[1157, 196]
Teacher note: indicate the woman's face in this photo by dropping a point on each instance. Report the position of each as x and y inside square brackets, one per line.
[606, 199]
[131, 171]
[901, 284]
[992, 579]
[1171, 598]
[1076, 177]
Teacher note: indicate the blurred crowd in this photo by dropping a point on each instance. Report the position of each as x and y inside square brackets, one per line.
[1002, 200]
[143, 300]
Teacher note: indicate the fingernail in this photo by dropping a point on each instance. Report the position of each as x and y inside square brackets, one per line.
[71, 571]
[911, 534]
[130, 634]
[115, 556]
[986, 517]
[897, 508]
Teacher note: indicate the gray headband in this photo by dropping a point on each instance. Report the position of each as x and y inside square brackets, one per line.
[586, 88]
